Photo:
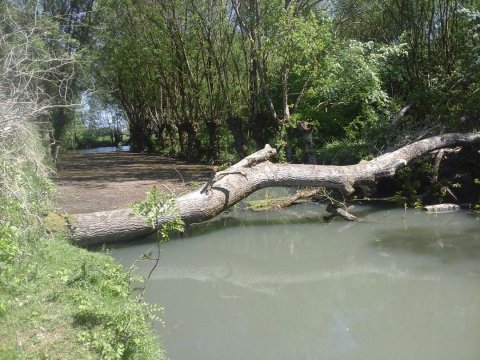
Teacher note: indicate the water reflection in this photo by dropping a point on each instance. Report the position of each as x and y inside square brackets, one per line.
[104, 149]
[400, 285]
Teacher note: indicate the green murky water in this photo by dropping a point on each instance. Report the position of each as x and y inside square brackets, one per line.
[400, 285]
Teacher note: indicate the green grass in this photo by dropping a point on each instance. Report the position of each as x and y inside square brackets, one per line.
[58, 301]
[70, 303]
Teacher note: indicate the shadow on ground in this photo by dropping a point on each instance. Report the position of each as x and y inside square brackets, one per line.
[89, 182]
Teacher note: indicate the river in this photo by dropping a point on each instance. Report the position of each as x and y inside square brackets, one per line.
[103, 150]
[402, 284]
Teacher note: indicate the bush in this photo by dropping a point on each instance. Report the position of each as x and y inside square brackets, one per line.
[343, 152]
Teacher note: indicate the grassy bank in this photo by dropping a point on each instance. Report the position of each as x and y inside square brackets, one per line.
[58, 301]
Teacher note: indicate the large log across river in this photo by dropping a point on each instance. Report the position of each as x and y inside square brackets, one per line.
[255, 172]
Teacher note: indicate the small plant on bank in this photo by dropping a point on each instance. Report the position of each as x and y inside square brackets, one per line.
[412, 182]
[155, 205]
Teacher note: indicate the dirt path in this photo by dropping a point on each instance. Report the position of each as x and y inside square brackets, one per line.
[106, 181]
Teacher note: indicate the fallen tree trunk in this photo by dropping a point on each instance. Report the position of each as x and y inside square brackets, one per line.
[255, 172]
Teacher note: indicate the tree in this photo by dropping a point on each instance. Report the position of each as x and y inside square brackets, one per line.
[38, 70]
[436, 66]
[213, 64]
[254, 172]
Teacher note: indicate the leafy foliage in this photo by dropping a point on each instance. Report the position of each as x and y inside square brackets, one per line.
[115, 332]
[159, 204]
[412, 182]
[246, 73]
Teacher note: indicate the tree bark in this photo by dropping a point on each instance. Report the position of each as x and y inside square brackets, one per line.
[252, 173]
[213, 128]
[306, 129]
[395, 121]
[339, 211]
[235, 125]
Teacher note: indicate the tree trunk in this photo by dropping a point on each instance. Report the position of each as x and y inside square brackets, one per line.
[192, 142]
[255, 172]
[188, 139]
[235, 125]
[139, 136]
[117, 136]
[213, 128]
[306, 129]
[261, 129]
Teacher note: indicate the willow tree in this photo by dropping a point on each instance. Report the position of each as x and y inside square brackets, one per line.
[214, 65]
[173, 65]
[122, 67]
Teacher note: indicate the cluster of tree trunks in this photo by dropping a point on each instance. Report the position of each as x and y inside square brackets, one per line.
[255, 172]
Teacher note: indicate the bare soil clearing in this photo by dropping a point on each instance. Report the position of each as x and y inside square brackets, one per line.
[91, 182]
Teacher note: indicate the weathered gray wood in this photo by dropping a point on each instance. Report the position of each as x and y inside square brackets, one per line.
[441, 208]
[339, 211]
[396, 119]
[251, 174]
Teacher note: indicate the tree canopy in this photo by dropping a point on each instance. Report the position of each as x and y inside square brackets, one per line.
[214, 80]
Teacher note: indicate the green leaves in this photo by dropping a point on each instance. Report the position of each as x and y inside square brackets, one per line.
[115, 331]
[8, 245]
[159, 204]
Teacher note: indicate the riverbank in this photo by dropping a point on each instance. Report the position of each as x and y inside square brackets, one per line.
[58, 301]
[70, 303]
